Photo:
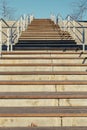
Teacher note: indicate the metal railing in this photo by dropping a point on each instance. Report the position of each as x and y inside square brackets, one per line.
[74, 28]
[53, 18]
[9, 35]
[4, 34]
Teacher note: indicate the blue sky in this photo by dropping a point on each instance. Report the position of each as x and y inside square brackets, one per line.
[41, 8]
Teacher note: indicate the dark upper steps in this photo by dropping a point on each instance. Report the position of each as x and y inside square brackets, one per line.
[44, 34]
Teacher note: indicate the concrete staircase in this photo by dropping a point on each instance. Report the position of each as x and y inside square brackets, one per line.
[44, 34]
[43, 90]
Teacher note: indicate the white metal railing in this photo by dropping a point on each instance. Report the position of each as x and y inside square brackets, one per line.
[74, 28]
[60, 21]
[53, 18]
[9, 35]
[4, 34]
[19, 26]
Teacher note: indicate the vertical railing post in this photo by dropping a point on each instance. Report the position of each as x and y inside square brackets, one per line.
[64, 25]
[24, 22]
[57, 20]
[27, 21]
[18, 29]
[83, 36]
[69, 23]
[8, 39]
[21, 24]
[11, 39]
[31, 18]
[53, 18]
[0, 37]
[74, 29]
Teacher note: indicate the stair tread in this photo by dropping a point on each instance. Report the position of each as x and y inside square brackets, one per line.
[20, 58]
[42, 64]
[43, 95]
[43, 111]
[43, 82]
[43, 73]
[33, 52]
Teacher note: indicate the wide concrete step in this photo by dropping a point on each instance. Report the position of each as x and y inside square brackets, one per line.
[43, 111]
[46, 88]
[28, 122]
[42, 66]
[43, 75]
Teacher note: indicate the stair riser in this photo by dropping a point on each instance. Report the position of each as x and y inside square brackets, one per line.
[43, 61]
[28, 88]
[34, 68]
[26, 122]
[32, 55]
[39, 68]
[42, 102]
[43, 77]
[25, 61]
[28, 103]
[41, 88]
[45, 55]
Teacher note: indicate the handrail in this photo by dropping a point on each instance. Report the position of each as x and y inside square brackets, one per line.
[5, 22]
[74, 20]
[70, 23]
[83, 30]
[4, 33]
[13, 33]
[21, 26]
